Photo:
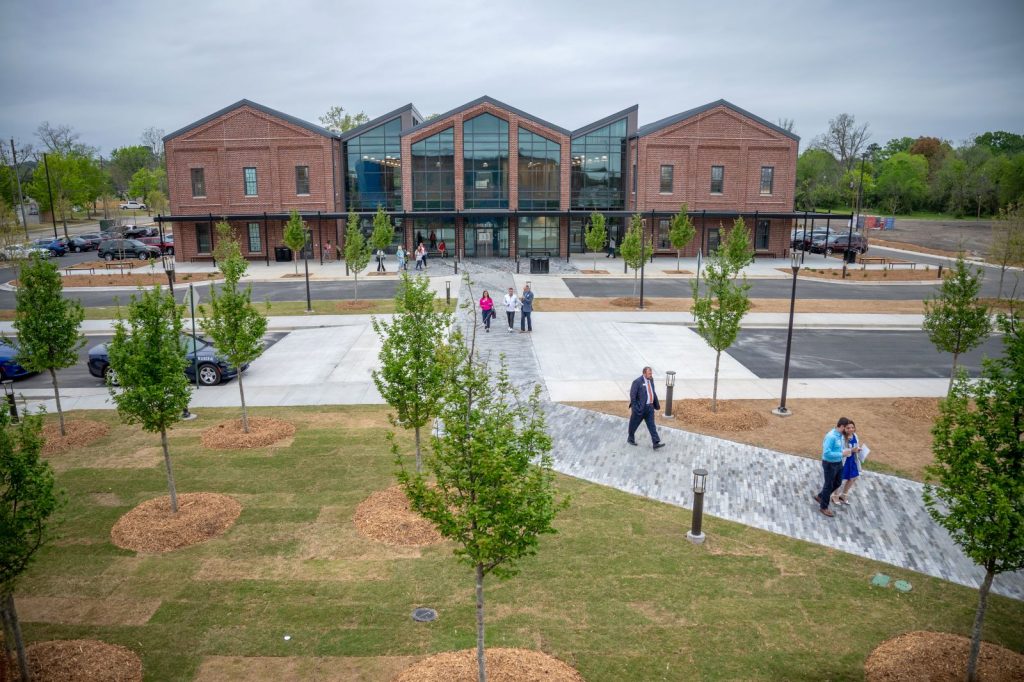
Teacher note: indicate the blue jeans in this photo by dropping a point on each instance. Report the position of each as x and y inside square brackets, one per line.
[487, 318]
[833, 472]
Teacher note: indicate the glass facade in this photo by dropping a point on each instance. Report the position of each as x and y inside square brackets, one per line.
[536, 235]
[373, 172]
[433, 172]
[486, 237]
[598, 168]
[485, 162]
[204, 238]
[539, 166]
[433, 231]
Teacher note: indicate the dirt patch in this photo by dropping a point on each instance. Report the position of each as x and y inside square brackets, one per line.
[83, 660]
[939, 657]
[153, 527]
[353, 306]
[82, 611]
[360, 419]
[729, 416]
[758, 305]
[289, 569]
[80, 433]
[906, 246]
[855, 274]
[503, 665]
[142, 458]
[594, 272]
[106, 499]
[293, 275]
[380, 274]
[322, 669]
[385, 516]
[677, 272]
[132, 279]
[263, 431]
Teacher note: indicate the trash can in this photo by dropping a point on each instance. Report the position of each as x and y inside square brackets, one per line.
[850, 256]
[539, 265]
[282, 254]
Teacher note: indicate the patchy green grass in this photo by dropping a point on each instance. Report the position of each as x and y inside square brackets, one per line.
[619, 593]
[281, 308]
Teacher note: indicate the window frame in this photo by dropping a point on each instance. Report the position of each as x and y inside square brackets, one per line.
[771, 180]
[201, 184]
[671, 178]
[255, 182]
[259, 238]
[720, 180]
[207, 229]
[298, 186]
[762, 235]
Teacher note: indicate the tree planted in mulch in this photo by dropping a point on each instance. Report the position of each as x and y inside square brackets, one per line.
[595, 234]
[955, 319]
[83, 660]
[939, 657]
[357, 251]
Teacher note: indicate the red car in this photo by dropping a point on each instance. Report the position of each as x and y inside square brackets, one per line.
[165, 243]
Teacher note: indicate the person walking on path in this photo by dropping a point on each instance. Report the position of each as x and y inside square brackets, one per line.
[526, 307]
[832, 452]
[380, 260]
[328, 251]
[611, 247]
[422, 254]
[400, 255]
[511, 304]
[643, 401]
[851, 467]
[487, 309]
[419, 257]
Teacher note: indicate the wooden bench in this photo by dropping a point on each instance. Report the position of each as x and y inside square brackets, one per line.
[765, 254]
[894, 263]
[72, 269]
[117, 265]
[881, 260]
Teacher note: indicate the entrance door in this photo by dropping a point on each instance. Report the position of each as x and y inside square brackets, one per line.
[485, 242]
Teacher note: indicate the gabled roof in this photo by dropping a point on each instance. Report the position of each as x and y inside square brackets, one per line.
[490, 100]
[380, 120]
[590, 127]
[672, 120]
[266, 110]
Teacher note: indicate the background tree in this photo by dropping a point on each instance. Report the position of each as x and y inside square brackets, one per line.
[295, 235]
[144, 182]
[979, 469]
[1007, 248]
[47, 324]
[817, 180]
[414, 357]
[63, 140]
[148, 357]
[383, 230]
[955, 320]
[844, 139]
[27, 501]
[125, 162]
[494, 488]
[596, 235]
[154, 139]
[636, 247]
[234, 325]
[10, 231]
[682, 231]
[357, 251]
[337, 120]
[1001, 142]
[903, 181]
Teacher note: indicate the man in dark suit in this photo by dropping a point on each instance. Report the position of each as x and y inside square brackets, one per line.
[643, 401]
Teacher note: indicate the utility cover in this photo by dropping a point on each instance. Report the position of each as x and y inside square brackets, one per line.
[424, 615]
[880, 580]
[902, 585]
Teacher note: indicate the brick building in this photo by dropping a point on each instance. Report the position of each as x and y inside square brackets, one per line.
[486, 178]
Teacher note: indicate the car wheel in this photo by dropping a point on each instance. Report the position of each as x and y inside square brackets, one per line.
[78, 249]
[110, 376]
[108, 257]
[170, 251]
[209, 375]
[143, 255]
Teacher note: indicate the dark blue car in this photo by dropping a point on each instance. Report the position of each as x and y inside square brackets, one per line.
[9, 367]
[201, 355]
[55, 246]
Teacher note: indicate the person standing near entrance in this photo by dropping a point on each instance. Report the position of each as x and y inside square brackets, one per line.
[433, 241]
[525, 320]
[442, 248]
[511, 304]
[380, 260]
[611, 247]
[643, 401]
[400, 255]
[833, 450]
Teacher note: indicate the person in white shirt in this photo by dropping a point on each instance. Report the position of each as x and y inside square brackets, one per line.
[511, 305]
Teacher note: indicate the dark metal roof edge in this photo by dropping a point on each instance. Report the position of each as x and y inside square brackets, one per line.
[682, 116]
[266, 110]
[379, 121]
[604, 121]
[490, 100]
[334, 215]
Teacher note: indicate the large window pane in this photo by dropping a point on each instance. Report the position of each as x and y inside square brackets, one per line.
[538, 236]
[250, 181]
[598, 167]
[539, 171]
[433, 172]
[485, 162]
[204, 240]
[373, 169]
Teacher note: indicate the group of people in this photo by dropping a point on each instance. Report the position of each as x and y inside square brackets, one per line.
[513, 303]
[419, 255]
[841, 457]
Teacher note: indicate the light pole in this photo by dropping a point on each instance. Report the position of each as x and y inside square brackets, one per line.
[643, 258]
[169, 270]
[695, 534]
[670, 383]
[860, 190]
[305, 265]
[782, 410]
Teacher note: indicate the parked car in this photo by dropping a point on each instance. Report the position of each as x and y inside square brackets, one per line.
[200, 353]
[77, 244]
[133, 205]
[126, 248]
[9, 367]
[802, 239]
[23, 251]
[841, 243]
[53, 245]
[165, 243]
[93, 239]
[135, 232]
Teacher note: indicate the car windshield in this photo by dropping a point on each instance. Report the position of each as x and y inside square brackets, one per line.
[193, 344]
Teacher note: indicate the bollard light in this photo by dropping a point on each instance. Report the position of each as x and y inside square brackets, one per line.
[11, 404]
[670, 383]
[448, 291]
[695, 535]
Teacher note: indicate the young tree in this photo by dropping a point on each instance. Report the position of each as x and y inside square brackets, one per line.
[494, 488]
[47, 324]
[383, 230]
[337, 120]
[357, 251]
[414, 356]
[736, 248]
[596, 235]
[636, 247]
[956, 321]
[1007, 248]
[682, 231]
[295, 236]
[234, 325]
[149, 358]
[979, 468]
[27, 501]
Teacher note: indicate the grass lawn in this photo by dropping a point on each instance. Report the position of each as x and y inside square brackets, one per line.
[618, 593]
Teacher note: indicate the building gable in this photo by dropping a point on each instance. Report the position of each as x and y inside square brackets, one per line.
[721, 114]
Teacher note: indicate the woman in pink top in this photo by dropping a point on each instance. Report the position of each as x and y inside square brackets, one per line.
[487, 309]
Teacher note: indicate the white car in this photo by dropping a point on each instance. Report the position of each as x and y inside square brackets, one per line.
[23, 252]
[133, 205]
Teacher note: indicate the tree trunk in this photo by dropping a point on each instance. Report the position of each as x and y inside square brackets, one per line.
[295, 257]
[241, 392]
[595, 260]
[480, 623]
[170, 474]
[1002, 272]
[419, 458]
[979, 619]
[56, 395]
[11, 615]
[355, 291]
[9, 652]
[714, 392]
[952, 375]
[677, 260]
[635, 280]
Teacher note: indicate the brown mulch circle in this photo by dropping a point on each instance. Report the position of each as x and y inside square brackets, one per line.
[729, 416]
[917, 408]
[503, 665]
[385, 516]
[263, 431]
[939, 657]
[153, 527]
[632, 302]
[83, 660]
[80, 433]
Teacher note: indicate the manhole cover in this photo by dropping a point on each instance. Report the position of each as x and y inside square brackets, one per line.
[902, 585]
[424, 615]
[880, 580]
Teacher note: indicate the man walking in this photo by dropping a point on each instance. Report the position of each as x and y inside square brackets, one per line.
[525, 320]
[511, 303]
[643, 401]
[832, 453]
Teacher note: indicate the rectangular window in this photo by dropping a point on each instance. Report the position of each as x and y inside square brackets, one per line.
[198, 183]
[767, 179]
[714, 239]
[255, 245]
[666, 179]
[204, 238]
[717, 179]
[762, 235]
[250, 181]
[302, 180]
[663, 242]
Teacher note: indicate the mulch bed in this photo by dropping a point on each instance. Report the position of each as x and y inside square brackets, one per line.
[82, 660]
[729, 417]
[939, 657]
[153, 527]
[263, 431]
[385, 516]
[503, 665]
[594, 272]
[80, 433]
[856, 274]
[632, 302]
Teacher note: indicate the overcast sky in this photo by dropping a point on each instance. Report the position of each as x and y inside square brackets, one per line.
[111, 69]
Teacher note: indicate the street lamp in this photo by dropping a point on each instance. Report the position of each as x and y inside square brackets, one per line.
[13, 406]
[794, 263]
[169, 270]
[695, 535]
[643, 258]
[670, 382]
[448, 291]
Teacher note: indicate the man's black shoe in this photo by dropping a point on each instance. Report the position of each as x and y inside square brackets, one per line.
[659, 445]
[631, 442]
